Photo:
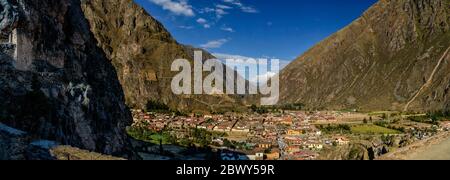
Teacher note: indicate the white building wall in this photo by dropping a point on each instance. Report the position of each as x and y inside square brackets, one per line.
[24, 50]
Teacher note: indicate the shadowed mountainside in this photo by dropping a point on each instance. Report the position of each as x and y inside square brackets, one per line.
[55, 83]
[142, 51]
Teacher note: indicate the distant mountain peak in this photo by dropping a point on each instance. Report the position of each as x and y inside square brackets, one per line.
[140, 47]
[378, 62]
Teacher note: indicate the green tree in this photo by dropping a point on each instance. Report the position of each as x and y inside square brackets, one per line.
[254, 108]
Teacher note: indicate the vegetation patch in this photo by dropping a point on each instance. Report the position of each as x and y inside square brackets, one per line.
[388, 125]
[155, 106]
[295, 106]
[197, 137]
[146, 135]
[372, 129]
[340, 129]
[431, 117]
[260, 110]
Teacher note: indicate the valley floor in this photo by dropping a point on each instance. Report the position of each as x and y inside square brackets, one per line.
[284, 135]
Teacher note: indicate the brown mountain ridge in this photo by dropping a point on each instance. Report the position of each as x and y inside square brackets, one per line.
[394, 57]
[142, 51]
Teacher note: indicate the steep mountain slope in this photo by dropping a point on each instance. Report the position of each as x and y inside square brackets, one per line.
[142, 51]
[55, 83]
[394, 57]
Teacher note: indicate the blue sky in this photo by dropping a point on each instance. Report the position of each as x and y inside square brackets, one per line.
[282, 29]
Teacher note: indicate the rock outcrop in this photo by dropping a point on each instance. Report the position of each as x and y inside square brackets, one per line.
[55, 83]
[394, 57]
[9, 16]
[142, 51]
[12, 143]
[18, 145]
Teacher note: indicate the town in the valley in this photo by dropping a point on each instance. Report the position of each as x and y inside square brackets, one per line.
[281, 134]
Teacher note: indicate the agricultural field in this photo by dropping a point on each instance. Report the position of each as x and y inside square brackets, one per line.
[372, 129]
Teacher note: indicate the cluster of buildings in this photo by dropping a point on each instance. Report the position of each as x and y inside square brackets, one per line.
[271, 136]
[160, 121]
[301, 140]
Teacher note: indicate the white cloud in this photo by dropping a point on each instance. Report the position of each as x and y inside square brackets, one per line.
[222, 9]
[206, 26]
[263, 78]
[244, 8]
[228, 29]
[235, 2]
[219, 10]
[180, 7]
[220, 13]
[206, 10]
[204, 23]
[249, 9]
[214, 44]
[201, 21]
[224, 56]
[221, 6]
[241, 61]
[186, 27]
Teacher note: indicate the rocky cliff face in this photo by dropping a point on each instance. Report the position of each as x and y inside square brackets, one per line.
[18, 145]
[142, 51]
[55, 83]
[394, 57]
[10, 15]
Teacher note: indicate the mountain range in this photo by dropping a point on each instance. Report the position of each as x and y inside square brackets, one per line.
[55, 83]
[394, 57]
[71, 69]
[142, 51]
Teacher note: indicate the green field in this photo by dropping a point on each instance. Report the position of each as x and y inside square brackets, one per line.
[372, 129]
[143, 134]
